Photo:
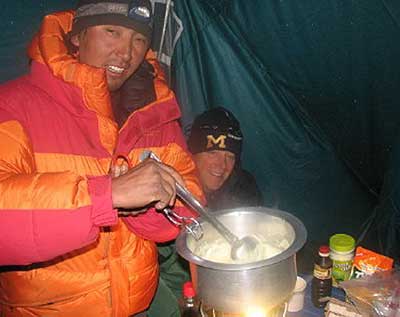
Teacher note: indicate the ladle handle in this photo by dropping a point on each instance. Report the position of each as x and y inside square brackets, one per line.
[187, 197]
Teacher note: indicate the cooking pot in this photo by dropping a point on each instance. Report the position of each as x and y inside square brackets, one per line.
[235, 288]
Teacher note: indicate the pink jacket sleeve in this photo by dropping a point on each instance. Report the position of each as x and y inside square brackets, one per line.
[154, 225]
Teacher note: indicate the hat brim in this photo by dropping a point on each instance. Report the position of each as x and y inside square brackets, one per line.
[84, 22]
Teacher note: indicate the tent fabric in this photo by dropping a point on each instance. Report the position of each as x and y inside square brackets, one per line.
[314, 84]
[387, 222]
[19, 20]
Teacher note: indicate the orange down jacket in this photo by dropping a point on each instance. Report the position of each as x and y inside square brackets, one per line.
[63, 249]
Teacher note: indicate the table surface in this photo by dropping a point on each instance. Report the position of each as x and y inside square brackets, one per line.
[309, 310]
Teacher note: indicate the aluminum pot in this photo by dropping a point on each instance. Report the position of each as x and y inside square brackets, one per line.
[234, 288]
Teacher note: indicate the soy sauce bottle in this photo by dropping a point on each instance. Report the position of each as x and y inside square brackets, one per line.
[321, 285]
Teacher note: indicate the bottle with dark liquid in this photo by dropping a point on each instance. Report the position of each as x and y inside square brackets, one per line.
[190, 307]
[321, 285]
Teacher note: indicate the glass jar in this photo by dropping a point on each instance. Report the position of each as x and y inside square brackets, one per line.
[342, 253]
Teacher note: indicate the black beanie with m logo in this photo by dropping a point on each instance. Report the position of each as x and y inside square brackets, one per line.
[216, 129]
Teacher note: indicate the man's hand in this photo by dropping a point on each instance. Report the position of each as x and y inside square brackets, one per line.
[147, 183]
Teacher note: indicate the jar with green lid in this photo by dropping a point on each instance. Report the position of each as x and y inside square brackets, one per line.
[342, 253]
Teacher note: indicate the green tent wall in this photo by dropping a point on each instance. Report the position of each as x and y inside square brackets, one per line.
[315, 86]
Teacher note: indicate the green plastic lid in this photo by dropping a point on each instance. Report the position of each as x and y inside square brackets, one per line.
[342, 242]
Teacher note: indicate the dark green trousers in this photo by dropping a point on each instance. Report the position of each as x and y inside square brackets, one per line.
[174, 271]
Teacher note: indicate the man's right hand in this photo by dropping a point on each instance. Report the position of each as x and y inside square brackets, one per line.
[147, 183]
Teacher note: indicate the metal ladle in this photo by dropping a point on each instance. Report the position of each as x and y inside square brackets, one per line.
[240, 248]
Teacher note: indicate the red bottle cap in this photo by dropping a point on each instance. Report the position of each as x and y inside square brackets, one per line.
[188, 289]
[324, 250]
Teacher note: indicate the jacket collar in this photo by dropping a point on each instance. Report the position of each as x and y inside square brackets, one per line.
[48, 47]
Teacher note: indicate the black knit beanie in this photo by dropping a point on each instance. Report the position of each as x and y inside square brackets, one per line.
[134, 14]
[216, 129]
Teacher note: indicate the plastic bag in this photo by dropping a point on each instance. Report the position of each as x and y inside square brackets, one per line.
[367, 262]
[378, 293]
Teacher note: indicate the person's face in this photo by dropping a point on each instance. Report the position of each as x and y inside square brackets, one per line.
[117, 49]
[214, 168]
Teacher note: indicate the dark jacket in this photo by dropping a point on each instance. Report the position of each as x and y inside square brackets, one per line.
[239, 190]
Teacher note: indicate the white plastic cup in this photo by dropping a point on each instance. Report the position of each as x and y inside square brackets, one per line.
[296, 302]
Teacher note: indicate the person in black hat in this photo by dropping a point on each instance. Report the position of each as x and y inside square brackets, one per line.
[215, 141]
[80, 210]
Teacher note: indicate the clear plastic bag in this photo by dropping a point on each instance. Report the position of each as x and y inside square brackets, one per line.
[378, 293]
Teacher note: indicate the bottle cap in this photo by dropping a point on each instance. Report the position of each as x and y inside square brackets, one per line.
[188, 289]
[324, 250]
[342, 242]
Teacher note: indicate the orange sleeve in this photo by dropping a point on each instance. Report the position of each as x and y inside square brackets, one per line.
[44, 215]
[22, 187]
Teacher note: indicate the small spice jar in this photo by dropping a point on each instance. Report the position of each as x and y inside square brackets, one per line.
[342, 253]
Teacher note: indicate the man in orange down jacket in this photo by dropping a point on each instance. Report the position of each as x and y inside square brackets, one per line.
[74, 240]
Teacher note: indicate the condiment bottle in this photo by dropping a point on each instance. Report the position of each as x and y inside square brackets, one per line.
[190, 307]
[342, 253]
[321, 284]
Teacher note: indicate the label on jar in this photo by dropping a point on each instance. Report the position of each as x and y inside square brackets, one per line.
[341, 270]
[322, 273]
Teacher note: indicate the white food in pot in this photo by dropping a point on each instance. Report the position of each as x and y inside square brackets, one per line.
[274, 234]
[219, 250]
